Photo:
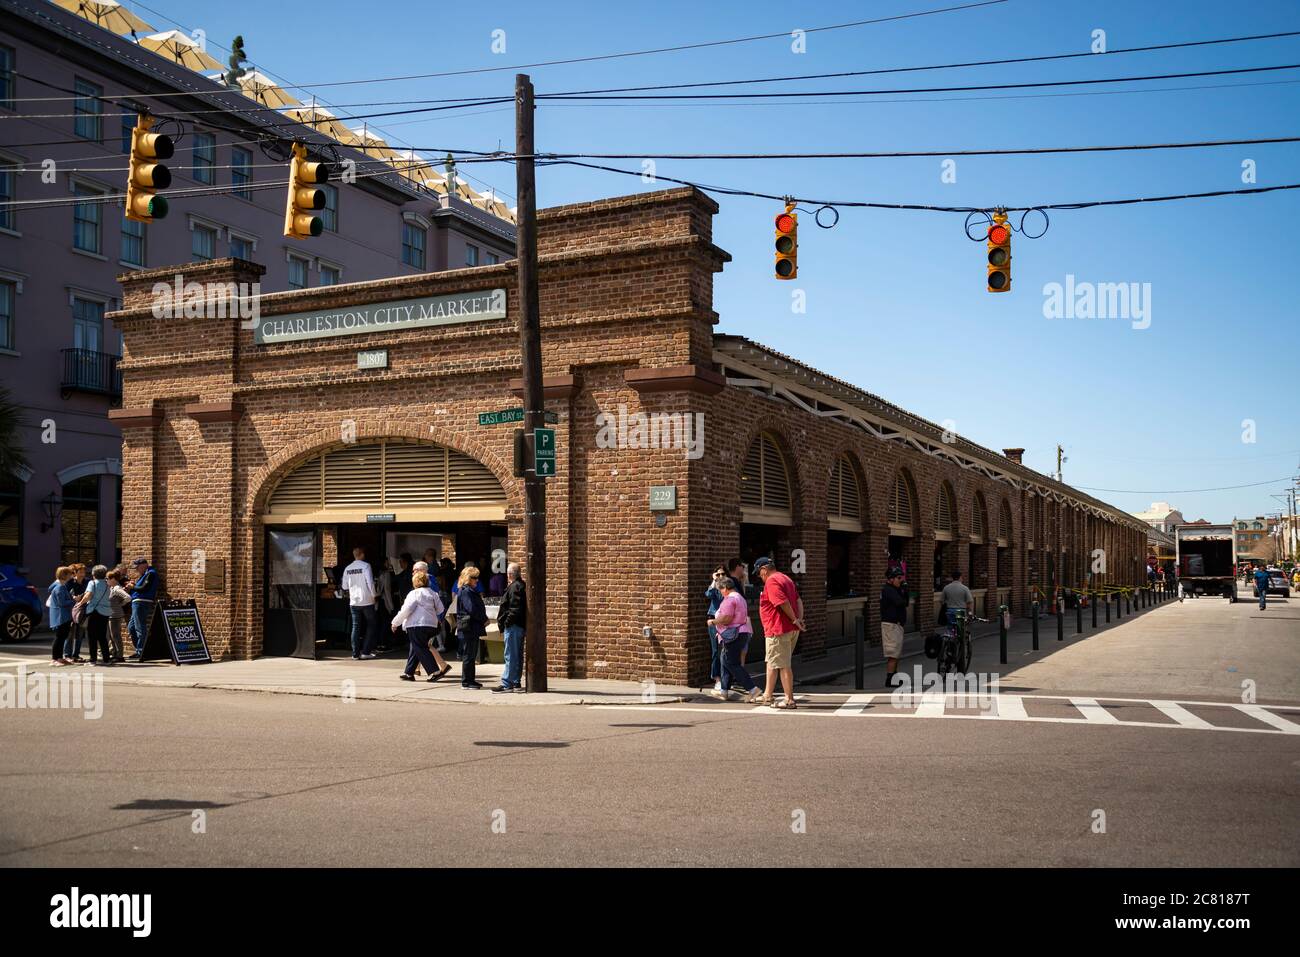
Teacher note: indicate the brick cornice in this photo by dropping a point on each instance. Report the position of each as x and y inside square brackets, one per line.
[687, 378]
[553, 387]
[224, 411]
[135, 418]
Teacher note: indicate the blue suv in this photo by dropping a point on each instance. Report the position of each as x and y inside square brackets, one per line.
[21, 607]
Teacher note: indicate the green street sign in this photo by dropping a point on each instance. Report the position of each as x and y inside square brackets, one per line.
[511, 415]
[544, 451]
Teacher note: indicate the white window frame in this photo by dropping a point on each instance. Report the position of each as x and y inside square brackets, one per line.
[289, 256]
[322, 264]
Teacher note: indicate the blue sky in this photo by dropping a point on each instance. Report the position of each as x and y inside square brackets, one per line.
[896, 301]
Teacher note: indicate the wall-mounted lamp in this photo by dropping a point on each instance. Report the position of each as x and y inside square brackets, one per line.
[53, 506]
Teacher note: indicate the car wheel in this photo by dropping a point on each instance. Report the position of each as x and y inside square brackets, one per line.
[19, 623]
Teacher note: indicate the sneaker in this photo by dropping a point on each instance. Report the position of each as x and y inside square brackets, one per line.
[405, 677]
[720, 694]
[58, 662]
[367, 657]
[472, 686]
[754, 695]
[502, 689]
[717, 685]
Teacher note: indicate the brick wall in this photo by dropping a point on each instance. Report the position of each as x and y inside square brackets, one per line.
[212, 421]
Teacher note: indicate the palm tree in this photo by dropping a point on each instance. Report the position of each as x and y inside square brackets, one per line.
[12, 456]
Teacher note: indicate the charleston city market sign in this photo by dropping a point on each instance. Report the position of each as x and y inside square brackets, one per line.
[383, 317]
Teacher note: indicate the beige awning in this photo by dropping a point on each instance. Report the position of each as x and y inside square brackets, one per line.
[108, 14]
[180, 48]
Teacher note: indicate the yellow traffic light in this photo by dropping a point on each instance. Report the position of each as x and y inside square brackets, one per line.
[300, 220]
[145, 175]
[786, 244]
[999, 277]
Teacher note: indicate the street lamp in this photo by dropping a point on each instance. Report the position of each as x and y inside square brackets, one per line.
[53, 506]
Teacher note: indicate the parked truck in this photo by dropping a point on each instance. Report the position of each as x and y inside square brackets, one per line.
[1207, 560]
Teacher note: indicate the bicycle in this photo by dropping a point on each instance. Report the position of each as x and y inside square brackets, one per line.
[955, 649]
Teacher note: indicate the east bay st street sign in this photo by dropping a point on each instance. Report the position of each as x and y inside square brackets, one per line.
[383, 316]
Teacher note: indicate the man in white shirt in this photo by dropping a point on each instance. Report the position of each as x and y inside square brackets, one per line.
[359, 581]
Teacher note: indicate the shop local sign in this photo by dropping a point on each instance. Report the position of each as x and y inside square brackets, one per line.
[383, 317]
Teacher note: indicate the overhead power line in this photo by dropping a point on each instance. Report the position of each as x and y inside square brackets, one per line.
[596, 95]
[774, 79]
[862, 204]
[1180, 491]
[950, 66]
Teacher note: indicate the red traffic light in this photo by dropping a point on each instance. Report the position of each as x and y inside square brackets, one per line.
[784, 223]
[999, 234]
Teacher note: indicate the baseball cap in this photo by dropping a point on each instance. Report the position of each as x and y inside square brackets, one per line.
[141, 561]
[759, 563]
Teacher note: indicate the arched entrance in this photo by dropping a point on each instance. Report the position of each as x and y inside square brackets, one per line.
[396, 499]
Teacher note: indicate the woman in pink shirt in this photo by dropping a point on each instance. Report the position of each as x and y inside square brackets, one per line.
[734, 631]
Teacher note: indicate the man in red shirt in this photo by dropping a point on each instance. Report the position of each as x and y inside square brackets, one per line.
[781, 610]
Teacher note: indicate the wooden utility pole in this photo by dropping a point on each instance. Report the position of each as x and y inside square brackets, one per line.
[530, 344]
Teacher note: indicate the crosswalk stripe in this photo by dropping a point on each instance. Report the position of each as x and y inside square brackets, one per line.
[1094, 712]
[931, 706]
[1181, 715]
[855, 704]
[1268, 717]
[1009, 707]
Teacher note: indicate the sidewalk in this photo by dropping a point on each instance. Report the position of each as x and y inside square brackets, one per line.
[345, 677]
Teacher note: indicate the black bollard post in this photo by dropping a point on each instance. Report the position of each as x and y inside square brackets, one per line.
[1128, 603]
[1093, 602]
[859, 652]
[1107, 600]
[1002, 634]
[1078, 615]
[1033, 610]
[1060, 619]
[1119, 606]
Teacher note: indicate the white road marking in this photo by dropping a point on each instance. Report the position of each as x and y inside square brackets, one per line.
[1181, 715]
[1094, 712]
[1008, 708]
[855, 704]
[930, 706]
[1268, 717]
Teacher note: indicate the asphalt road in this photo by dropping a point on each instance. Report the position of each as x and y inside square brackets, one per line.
[292, 780]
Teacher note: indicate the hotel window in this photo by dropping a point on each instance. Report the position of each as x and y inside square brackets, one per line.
[88, 121]
[128, 127]
[297, 272]
[87, 325]
[492, 258]
[471, 255]
[241, 172]
[329, 216]
[413, 238]
[205, 158]
[330, 275]
[8, 298]
[241, 247]
[132, 242]
[203, 243]
[86, 220]
[7, 77]
[8, 187]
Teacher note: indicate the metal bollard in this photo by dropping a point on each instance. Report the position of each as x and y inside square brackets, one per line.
[1119, 607]
[1093, 603]
[1107, 600]
[1033, 609]
[1060, 621]
[1128, 603]
[1002, 634]
[859, 652]
[1078, 616]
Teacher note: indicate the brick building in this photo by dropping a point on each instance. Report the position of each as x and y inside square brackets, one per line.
[268, 453]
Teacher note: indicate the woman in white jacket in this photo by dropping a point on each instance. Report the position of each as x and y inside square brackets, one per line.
[419, 615]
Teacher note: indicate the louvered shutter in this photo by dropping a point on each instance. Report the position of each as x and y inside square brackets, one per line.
[765, 484]
[900, 508]
[844, 504]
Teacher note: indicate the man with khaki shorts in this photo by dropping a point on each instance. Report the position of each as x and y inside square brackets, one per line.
[893, 617]
[781, 610]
